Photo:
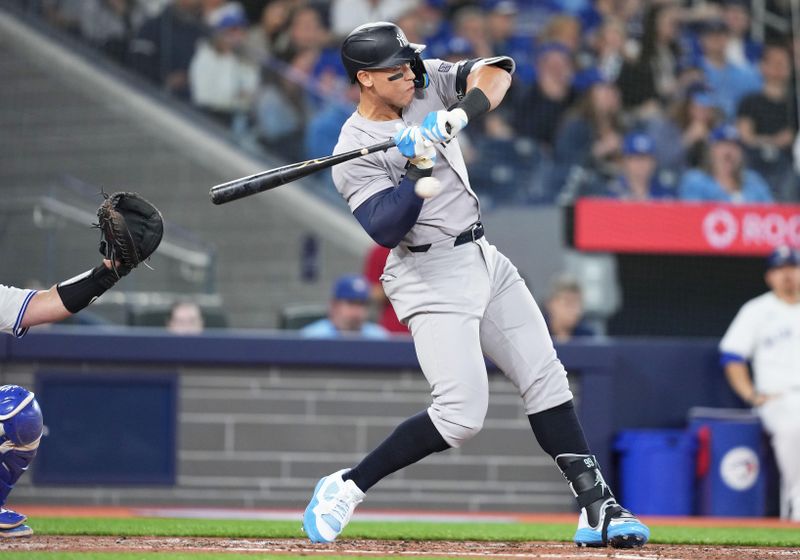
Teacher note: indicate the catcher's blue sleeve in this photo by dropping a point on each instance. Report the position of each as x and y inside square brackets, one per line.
[726, 358]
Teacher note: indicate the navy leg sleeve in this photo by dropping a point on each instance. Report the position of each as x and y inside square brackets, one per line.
[411, 441]
[559, 431]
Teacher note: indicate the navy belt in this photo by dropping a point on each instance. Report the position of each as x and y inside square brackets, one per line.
[472, 234]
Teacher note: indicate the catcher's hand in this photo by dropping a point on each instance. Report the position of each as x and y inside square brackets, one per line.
[131, 230]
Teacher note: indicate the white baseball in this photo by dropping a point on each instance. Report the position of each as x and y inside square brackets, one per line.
[428, 187]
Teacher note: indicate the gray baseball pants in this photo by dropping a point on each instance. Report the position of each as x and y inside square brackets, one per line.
[461, 303]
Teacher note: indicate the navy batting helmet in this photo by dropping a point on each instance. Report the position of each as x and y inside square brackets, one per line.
[381, 45]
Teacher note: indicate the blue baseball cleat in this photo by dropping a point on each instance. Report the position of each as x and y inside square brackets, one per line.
[615, 526]
[10, 519]
[16, 532]
[603, 521]
[331, 507]
[12, 525]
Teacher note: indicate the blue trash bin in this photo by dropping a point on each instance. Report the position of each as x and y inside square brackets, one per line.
[731, 473]
[657, 471]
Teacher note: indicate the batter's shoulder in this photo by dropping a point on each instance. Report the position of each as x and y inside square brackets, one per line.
[351, 137]
[358, 131]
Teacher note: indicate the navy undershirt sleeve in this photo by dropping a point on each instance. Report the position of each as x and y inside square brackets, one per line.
[389, 215]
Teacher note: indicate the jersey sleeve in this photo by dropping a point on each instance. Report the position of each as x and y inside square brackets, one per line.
[360, 178]
[449, 79]
[13, 303]
[740, 338]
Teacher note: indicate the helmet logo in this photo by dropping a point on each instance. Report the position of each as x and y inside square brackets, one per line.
[401, 38]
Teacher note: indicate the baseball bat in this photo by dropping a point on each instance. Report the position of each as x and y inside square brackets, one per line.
[272, 178]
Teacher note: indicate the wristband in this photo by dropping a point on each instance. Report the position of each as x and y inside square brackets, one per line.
[78, 292]
[414, 173]
[474, 104]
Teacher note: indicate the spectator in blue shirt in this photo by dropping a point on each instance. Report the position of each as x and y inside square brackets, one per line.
[347, 313]
[729, 82]
[639, 179]
[725, 178]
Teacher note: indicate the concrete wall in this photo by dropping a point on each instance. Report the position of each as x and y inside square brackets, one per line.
[262, 416]
[261, 437]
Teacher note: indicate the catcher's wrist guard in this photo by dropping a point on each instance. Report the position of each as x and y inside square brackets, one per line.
[78, 292]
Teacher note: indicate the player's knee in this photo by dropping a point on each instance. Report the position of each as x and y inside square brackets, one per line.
[20, 417]
[458, 434]
[460, 422]
[548, 390]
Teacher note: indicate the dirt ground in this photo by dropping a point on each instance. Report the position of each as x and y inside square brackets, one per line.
[494, 550]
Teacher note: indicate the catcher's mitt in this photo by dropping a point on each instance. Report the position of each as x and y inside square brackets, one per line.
[131, 230]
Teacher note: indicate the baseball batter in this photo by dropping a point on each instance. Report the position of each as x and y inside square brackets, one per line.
[766, 332]
[460, 297]
[131, 231]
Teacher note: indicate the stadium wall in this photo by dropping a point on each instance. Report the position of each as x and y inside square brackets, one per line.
[260, 416]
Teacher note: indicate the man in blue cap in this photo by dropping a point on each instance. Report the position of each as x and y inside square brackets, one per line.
[766, 334]
[639, 178]
[221, 80]
[347, 313]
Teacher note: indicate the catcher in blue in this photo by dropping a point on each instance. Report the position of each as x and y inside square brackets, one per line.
[131, 231]
[460, 297]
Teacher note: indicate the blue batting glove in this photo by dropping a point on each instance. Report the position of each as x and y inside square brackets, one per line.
[411, 142]
[441, 126]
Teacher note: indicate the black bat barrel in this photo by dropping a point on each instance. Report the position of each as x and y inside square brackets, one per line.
[267, 180]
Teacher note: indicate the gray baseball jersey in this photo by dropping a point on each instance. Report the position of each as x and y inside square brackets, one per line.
[13, 303]
[456, 208]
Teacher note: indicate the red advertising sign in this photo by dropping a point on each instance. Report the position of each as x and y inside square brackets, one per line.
[684, 228]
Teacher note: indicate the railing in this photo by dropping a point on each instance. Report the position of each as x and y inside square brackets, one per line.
[168, 249]
[185, 266]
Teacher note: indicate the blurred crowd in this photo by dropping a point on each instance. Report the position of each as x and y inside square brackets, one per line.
[630, 99]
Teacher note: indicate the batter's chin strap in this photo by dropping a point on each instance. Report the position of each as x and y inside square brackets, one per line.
[421, 80]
